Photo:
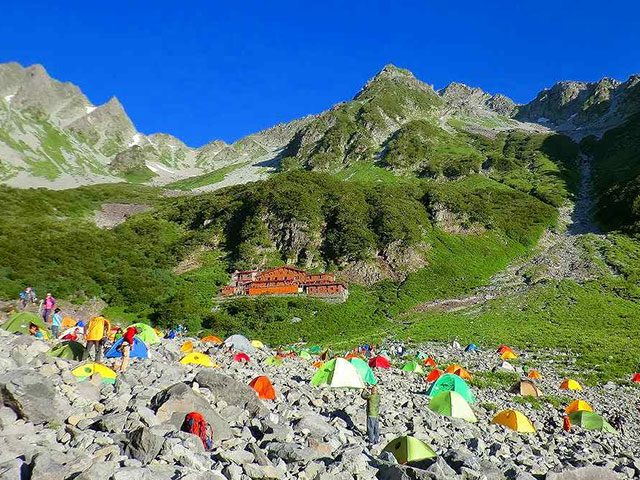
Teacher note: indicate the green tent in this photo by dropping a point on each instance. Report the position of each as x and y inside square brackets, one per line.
[409, 449]
[305, 355]
[68, 349]
[337, 373]
[19, 323]
[422, 356]
[412, 367]
[452, 404]
[451, 383]
[273, 361]
[147, 334]
[591, 421]
[364, 370]
[315, 349]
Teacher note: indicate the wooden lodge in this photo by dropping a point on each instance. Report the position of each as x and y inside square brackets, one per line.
[284, 280]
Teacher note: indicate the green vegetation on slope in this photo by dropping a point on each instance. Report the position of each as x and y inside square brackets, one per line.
[205, 179]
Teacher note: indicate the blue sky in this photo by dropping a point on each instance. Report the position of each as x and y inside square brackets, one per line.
[207, 70]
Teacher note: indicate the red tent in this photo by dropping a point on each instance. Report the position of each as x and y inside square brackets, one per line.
[379, 362]
[504, 348]
[430, 362]
[434, 375]
[262, 385]
[241, 357]
[636, 378]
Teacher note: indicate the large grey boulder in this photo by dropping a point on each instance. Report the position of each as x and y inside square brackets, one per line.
[315, 424]
[144, 445]
[172, 404]
[57, 466]
[11, 470]
[32, 396]
[231, 391]
[584, 473]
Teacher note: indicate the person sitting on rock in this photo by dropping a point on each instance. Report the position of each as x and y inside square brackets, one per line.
[96, 332]
[373, 408]
[34, 331]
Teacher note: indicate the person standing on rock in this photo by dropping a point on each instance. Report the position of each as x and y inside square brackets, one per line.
[95, 333]
[125, 348]
[56, 323]
[49, 305]
[373, 408]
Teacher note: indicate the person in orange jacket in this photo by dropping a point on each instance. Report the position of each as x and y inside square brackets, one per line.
[95, 333]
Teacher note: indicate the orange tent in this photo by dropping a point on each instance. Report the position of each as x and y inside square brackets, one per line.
[434, 375]
[452, 368]
[636, 378]
[569, 384]
[353, 355]
[262, 385]
[462, 373]
[534, 374]
[212, 339]
[318, 364]
[430, 362]
[68, 322]
[186, 347]
[504, 348]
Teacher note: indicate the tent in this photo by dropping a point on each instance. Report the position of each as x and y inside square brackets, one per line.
[85, 371]
[273, 361]
[240, 343]
[187, 347]
[636, 378]
[379, 362]
[318, 364]
[337, 373]
[504, 348]
[504, 367]
[409, 450]
[68, 322]
[147, 334]
[364, 370]
[430, 362]
[158, 332]
[196, 358]
[569, 384]
[262, 385]
[472, 347]
[462, 373]
[508, 355]
[68, 349]
[452, 368]
[451, 383]
[211, 339]
[315, 350]
[412, 367]
[257, 344]
[305, 355]
[353, 355]
[578, 406]
[514, 420]
[526, 388]
[534, 375]
[591, 421]
[19, 323]
[422, 356]
[241, 357]
[452, 404]
[139, 349]
[434, 375]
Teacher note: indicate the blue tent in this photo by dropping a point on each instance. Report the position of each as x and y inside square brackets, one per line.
[139, 349]
[472, 347]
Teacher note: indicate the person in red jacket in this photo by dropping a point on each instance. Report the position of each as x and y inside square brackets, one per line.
[126, 346]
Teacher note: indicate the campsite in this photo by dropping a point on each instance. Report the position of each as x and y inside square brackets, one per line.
[296, 412]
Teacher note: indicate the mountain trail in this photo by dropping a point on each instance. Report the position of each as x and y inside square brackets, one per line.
[560, 254]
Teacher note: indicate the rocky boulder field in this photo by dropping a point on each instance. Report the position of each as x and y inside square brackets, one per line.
[55, 427]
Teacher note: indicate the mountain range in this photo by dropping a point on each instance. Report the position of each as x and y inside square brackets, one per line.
[51, 134]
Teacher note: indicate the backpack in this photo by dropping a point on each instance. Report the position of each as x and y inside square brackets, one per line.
[195, 424]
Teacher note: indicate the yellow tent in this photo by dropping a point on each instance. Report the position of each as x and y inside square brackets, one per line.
[85, 371]
[196, 358]
[570, 384]
[578, 406]
[68, 322]
[508, 355]
[514, 420]
[158, 332]
[257, 344]
[186, 347]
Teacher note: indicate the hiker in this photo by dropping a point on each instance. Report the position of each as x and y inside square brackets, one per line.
[455, 344]
[73, 335]
[56, 322]
[34, 331]
[373, 406]
[95, 333]
[49, 305]
[125, 347]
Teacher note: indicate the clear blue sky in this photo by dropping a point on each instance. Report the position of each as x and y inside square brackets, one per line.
[207, 70]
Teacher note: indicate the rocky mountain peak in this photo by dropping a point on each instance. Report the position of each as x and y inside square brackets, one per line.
[461, 98]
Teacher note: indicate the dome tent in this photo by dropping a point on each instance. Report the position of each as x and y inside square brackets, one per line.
[85, 371]
[452, 404]
[68, 349]
[337, 373]
[514, 420]
[448, 383]
[364, 371]
[19, 323]
[138, 350]
[409, 449]
[146, 333]
[240, 343]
